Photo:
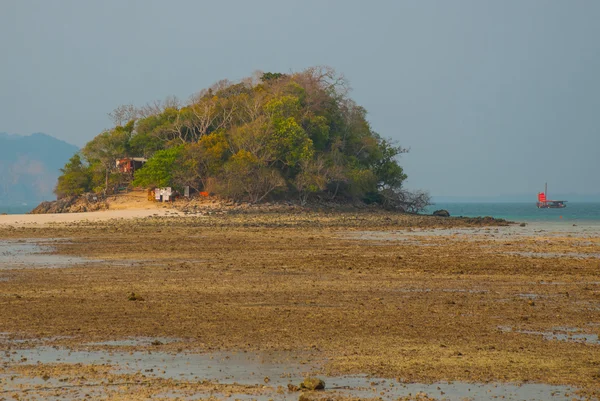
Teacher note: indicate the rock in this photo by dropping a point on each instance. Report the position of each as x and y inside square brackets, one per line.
[293, 387]
[523, 224]
[134, 297]
[441, 213]
[312, 383]
[72, 204]
[304, 397]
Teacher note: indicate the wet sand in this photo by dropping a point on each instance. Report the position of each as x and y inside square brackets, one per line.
[378, 305]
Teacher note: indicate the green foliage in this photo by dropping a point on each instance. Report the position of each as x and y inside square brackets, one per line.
[144, 144]
[317, 128]
[287, 135]
[271, 76]
[245, 175]
[204, 159]
[102, 153]
[76, 178]
[161, 169]
[312, 178]
[361, 180]
[389, 174]
[283, 107]
[289, 142]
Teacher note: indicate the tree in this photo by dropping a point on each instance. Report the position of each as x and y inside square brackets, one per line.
[103, 151]
[123, 113]
[76, 178]
[161, 169]
[295, 134]
[204, 159]
[312, 178]
[271, 76]
[385, 166]
[245, 175]
[405, 201]
[158, 128]
[290, 143]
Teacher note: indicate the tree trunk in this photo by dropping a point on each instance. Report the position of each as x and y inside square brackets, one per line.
[337, 187]
[106, 183]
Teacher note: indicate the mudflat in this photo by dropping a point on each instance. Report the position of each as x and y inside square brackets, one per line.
[407, 304]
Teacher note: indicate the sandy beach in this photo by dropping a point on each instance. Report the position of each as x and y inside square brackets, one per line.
[40, 220]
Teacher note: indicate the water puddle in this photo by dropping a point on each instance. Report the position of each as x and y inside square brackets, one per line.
[22, 254]
[8, 341]
[449, 290]
[242, 368]
[412, 237]
[138, 342]
[529, 296]
[552, 255]
[568, 334]
[463, 290]
[275, 370]
[49, 389]
[478, 233]
[363, 387]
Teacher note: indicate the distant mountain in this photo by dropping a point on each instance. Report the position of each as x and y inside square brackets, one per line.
[29, 167]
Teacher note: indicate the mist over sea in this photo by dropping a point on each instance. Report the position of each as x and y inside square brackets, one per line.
[523, 211]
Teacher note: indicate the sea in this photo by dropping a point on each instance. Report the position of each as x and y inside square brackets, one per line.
[575, 212]
[19, 209]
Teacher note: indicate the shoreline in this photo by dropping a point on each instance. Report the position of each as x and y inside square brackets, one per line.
[42, 220]
[23, 220]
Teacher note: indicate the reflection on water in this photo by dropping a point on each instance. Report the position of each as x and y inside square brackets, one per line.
[281, 369]
[21, 254]
[559, 334]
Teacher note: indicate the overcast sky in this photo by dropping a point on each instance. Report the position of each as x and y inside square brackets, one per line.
[492, 97]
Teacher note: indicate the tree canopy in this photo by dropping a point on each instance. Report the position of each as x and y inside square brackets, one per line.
[273, 135]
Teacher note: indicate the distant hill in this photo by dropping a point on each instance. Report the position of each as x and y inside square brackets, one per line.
[29, 167]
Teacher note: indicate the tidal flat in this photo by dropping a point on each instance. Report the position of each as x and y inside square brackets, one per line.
[241, 305]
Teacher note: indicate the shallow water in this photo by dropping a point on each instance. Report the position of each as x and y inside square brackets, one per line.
[280, 368]
[568, 334]
[31, 253]
[553, 255]
[231, 367]
[137, 342]
[546, 229]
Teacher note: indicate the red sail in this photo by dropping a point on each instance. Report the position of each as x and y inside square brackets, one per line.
[541, 197]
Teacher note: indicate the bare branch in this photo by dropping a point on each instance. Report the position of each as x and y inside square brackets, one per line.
[123, 114]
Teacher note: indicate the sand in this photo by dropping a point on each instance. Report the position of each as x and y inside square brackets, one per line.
[40, 220]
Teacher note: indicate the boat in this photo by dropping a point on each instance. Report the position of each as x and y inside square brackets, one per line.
[545, 203]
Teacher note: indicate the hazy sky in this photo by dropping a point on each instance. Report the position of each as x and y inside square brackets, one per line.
[492, 97]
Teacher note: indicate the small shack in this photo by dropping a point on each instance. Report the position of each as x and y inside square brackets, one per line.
[130, 164]
[163, 194]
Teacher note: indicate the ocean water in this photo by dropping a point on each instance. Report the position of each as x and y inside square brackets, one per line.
[15, 209]
[574, 212]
